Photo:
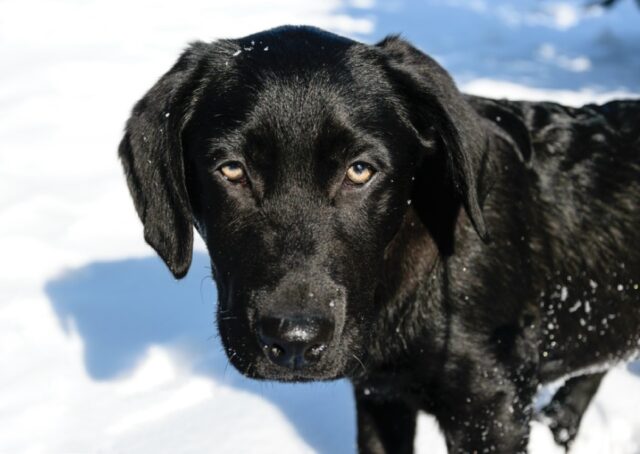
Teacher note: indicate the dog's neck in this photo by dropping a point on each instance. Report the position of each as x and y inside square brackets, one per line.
[410, 258]
[413, 291]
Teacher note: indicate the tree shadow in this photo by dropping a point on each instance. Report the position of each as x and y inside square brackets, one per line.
[121, 308]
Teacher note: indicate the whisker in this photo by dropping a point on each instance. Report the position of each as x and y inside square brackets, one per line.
[226, 366]
[361, 363]
[247, 371]
[204, 278]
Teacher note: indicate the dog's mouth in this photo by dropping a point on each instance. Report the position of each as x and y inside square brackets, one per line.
[296, 331]
[258, 365]
[260, 357]
[290, 375]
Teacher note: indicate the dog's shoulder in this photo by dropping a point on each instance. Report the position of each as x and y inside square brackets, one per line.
[624, 117]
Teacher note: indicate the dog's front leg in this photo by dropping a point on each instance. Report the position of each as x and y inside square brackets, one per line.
[485, 402]
[565, 411]
[497, 424]
[384, 426]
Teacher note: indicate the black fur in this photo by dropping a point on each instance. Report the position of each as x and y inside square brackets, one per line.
[607, 3]
[496, 247]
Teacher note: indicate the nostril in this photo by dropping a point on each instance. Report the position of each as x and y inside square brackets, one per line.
[294, 342]
[314, 353]
[276, 351]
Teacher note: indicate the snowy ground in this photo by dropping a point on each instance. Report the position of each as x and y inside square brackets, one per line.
[100, 349]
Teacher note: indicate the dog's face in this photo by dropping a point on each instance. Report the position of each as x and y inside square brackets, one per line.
[297, 202]
[295, 154]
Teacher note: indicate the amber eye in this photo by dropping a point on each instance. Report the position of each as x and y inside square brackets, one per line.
[359, 173]
[232, 171]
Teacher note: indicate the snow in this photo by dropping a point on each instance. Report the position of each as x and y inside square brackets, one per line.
[102, 351]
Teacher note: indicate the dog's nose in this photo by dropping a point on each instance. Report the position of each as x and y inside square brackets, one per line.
[294, 342]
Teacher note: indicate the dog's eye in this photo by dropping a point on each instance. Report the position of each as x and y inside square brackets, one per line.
[359, 173]
[232, 171]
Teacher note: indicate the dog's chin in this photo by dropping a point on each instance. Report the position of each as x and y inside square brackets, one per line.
[260, 368]
[252, 362]
[294, 376]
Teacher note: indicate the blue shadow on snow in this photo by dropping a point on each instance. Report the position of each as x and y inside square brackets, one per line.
[123, 307]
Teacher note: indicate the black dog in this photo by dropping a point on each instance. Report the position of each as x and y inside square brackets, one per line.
[364, 219]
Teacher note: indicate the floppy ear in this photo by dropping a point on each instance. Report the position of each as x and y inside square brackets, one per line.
[510, 127]
[434, 103]
[151, 154]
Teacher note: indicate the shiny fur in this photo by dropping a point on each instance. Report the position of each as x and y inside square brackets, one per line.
[495, 249]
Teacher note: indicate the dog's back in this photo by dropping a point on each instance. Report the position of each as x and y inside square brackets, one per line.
[583, 183]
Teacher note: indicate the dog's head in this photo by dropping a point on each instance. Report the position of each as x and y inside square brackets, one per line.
[296, 154]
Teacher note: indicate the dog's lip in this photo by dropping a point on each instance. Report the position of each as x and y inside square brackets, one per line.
[325, 371]
[297, 376]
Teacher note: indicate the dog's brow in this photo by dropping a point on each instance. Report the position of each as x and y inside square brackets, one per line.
[231, 142]
[369, 146]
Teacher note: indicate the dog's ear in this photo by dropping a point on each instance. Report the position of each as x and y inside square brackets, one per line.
[152, 157]
[434, 104]
[510, 127]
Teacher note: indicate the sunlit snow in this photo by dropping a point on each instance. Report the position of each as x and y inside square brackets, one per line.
[101, 349]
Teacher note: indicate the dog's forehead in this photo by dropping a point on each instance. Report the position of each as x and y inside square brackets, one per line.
[293, 111]
[307, 105]
[297, 69]
[297, 130]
